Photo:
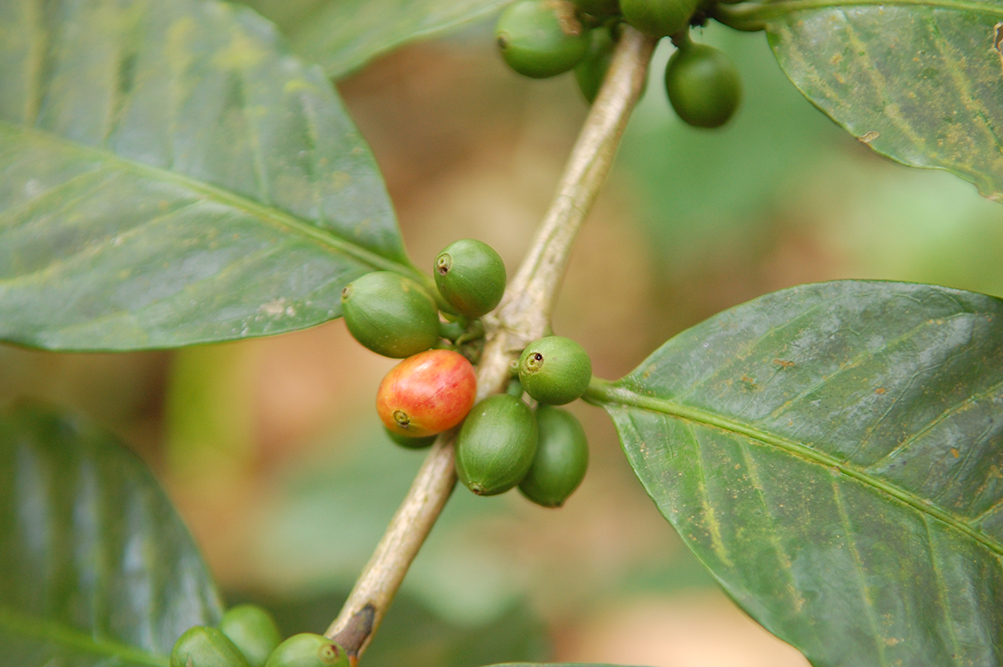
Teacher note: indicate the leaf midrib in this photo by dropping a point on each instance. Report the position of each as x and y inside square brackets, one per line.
[275, 217]
[607, 393]
[31, 626]
[759, 11]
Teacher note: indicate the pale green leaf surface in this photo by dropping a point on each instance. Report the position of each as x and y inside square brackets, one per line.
[170, 175]
[918, 80]
[833, 453]
[96, 568]
[343, 35]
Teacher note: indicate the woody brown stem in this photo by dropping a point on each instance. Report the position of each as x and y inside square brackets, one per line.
[523, 316]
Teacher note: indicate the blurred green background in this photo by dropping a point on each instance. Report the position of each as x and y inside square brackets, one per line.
[275, 456]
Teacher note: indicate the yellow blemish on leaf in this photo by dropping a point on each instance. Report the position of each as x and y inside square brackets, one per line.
[340, 179]
[868, 137]
[297, 86]
[240, 53]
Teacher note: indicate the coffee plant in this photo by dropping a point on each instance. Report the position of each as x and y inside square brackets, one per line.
[183, 172]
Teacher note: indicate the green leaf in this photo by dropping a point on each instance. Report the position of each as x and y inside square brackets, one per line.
[918, 80]
[170, 175]
[97, 568]
[343, 35]
[553, 664]
[833, 454]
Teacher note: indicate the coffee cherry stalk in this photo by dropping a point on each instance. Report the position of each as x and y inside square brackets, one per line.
[474, 320]
[492, 334]
[433, 390]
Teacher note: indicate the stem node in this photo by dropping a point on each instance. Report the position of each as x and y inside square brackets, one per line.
[522, 317]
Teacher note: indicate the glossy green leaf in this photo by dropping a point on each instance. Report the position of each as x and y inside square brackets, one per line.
[97, 568]
[833, 454]
[343, 35]
[919, 81]
[170, 175]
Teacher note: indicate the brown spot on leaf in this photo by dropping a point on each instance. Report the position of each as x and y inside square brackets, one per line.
[879, 390]
[955, 453]
[783, 364]
[998, 41]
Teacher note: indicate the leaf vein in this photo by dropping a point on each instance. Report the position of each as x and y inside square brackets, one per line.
[948, 412]
[710, 517]
[607, 393]
[32, 202]
[275, 217]
[39, 628]
[749, 349]
[945, 600]
[853, 364]
[851, 543]
[254, 137]
[961, 85]
[87, 252]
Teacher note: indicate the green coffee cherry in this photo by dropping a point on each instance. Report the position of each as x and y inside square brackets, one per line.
[591, 71]
[390, 314]
[409, 442]
[659, 18]
[555, 370]
[561, 458]
[703, 85]
[253, 631]
[599, 7]
[308, 650]
[471, 276]
[201, 646]
[496, 445]
[541, 38]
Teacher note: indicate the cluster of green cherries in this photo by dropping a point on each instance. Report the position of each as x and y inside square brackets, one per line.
[544, 38]
[503, 442]
[247, 636]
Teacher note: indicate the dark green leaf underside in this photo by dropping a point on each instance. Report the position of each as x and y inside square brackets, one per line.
[97, 567]
[919, 81]
[345, 35]
[834, 454]
[169, 175]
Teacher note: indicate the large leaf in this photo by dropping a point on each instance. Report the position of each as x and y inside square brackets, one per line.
[833, 453]
[170, 175]
[918, 80]
[96, 568]
[343, 35]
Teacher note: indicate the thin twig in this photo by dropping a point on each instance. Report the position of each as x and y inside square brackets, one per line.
[523, 316]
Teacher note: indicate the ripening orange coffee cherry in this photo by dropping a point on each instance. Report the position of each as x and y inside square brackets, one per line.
[427, 393]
